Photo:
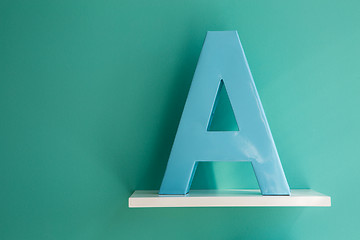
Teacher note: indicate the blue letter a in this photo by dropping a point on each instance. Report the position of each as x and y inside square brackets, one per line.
[222, 61]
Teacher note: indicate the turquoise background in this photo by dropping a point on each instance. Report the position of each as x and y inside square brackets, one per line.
[91, 93]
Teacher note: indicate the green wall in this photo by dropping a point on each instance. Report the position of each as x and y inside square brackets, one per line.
[91, 93]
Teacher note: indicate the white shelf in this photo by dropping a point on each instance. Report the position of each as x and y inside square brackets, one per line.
[228, 198]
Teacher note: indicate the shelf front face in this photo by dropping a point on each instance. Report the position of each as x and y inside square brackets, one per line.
[228, 198]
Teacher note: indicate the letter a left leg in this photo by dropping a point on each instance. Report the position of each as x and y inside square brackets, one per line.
[178, 177]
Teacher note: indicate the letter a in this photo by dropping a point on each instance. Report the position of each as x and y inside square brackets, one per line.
[222, 62]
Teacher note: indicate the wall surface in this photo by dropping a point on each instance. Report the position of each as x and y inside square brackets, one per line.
[91, 93]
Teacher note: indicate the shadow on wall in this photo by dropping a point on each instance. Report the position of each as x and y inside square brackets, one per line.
[171, 114]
